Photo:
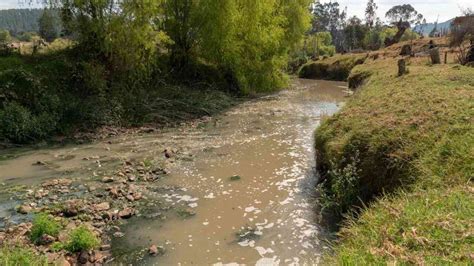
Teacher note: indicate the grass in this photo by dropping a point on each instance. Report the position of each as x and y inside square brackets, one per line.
[43, 224]
[81, 239]
[15, 256]
[402, 148]
[337, 67]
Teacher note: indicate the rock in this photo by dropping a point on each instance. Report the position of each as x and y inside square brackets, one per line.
[40, 193]
[406, 50]
[126, 213]
[107, 179]
[83, 257]
[235, 178]
[104, 206]
[56, 182]
[186, 213]
[119, 234]
[105, 247]
[156, 250]
[72, 208]
[114, 192]
[110, 216]
[24, 209]
[130, 198]
[131, 178]
[167, 153]
[97, 257]
[137, 196]
[46, 239]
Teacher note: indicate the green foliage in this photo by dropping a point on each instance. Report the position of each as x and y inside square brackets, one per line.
[57, 246]
[43, 224]
[355, 33]
[15, 256]
[27, 111]
[252, 38]
[26, 36]
[4, 36]
[81, 239]
[48, 26]
[333, 68]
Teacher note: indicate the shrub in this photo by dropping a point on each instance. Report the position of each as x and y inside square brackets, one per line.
[81, 239]
[334, 68]
[20, 256]
[44, 225]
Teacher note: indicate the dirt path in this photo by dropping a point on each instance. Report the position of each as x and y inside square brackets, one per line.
[238, 190]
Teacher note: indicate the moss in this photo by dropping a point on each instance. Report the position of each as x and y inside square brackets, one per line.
[413, 137]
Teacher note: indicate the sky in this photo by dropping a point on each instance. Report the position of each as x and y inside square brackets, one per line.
[431, 9]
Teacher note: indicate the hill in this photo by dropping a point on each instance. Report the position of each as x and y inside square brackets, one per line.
[20, 20]
[427, 28]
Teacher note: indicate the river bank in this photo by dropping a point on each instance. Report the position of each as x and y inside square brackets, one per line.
[402, 148]
[237, 187]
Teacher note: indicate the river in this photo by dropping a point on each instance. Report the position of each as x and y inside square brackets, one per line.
[246, 176]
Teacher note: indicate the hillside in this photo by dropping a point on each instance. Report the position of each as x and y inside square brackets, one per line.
[427, 28]
[20, 20]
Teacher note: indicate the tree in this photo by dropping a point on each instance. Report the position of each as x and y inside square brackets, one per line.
[462, 36]
[4, 36]
[370, 14]
[355, 33]
[329, 17]
[401, 16]
[48, 29]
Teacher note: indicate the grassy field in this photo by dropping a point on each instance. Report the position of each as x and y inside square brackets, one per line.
[403, 150]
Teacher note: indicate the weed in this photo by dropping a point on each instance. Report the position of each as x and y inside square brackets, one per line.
[43, 224]
[81, 239]
[16, 256]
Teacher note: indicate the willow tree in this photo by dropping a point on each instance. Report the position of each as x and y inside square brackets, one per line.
[251, 39]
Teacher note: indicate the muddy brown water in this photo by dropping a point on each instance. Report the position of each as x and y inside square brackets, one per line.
[266, 217]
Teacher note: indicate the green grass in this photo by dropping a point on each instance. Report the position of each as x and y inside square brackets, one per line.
[81, 239]
[403, 148]
[337, 67]
[44, 224]
[15, 256]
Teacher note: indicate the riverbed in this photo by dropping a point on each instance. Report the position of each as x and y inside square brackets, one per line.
[246, 176]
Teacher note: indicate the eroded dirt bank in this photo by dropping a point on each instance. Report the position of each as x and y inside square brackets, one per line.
[231, 189]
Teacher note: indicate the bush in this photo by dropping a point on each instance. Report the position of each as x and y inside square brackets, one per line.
[81, 239]
[333, 68]
[15, 256]
[43, 224]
